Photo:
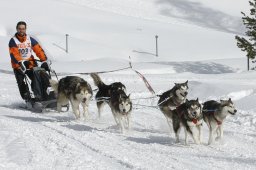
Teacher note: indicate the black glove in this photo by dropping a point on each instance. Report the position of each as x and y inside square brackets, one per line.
[24, 65]
[45, 66]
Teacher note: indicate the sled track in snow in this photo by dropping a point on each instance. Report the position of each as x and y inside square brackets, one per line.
[127, 165]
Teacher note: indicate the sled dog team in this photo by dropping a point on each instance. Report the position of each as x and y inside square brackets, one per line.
[178, 110]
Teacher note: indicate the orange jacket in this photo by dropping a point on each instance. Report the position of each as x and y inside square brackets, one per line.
[16, 55]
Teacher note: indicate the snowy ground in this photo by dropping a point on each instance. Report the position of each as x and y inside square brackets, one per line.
[57, 141]
[196, 43]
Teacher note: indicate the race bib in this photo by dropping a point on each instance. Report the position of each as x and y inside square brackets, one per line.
[24, 47]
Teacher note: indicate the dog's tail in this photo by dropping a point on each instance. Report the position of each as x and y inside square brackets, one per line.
[97, 80]
[54, 84]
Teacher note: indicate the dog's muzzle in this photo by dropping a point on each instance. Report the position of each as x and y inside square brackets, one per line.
[184, 95]
[194, 114]
[84, 100]
[124, 112]
[233, 113]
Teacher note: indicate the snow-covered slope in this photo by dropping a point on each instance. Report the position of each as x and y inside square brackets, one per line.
[196, 43]
[98, 30]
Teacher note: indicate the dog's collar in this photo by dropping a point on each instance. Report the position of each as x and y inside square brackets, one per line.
[175, 102]
[180, 113]
[194, 121]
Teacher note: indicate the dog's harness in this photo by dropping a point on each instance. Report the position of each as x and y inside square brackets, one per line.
[218, 122]
[180, 113]
[163, 101]
[102, 99]
[213, 112]
[194, 121]
[175, 102]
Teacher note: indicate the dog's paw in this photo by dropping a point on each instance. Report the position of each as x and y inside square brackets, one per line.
[218, 138]
[186, 144]
[177, 141]
[82, 119]
[198, 142]
[210, 143]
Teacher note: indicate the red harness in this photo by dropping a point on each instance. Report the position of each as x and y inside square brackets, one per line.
[181, 113]
[194, 121]
[218, 122]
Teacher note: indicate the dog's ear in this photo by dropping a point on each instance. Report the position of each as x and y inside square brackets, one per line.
[229, 100]
[186, 82]
[129, 96]
[224, 102]
[187, 100]
[77, 86]
[197, 99]
[170, 94]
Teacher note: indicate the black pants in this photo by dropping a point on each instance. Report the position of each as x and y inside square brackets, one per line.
[20, 78]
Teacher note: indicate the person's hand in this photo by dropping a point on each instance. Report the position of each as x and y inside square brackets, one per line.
[45, 66]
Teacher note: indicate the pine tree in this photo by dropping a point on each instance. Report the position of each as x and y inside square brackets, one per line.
[248, 45]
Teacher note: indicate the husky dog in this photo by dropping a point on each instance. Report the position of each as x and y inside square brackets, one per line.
[73, 89]
[189, 115]
[121, 107]
[214, 113]
[171, 99]
[104, 92]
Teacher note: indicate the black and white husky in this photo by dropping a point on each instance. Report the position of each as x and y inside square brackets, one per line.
[189, 115]
[73, 89]
[104, 92]
[214, 114]
[121, 107]
[171, 99]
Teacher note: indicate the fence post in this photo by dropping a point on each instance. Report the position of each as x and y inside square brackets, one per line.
[67, 43]
[156, 45]
[248, 63]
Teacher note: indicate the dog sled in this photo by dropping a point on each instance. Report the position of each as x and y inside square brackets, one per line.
[41, 96]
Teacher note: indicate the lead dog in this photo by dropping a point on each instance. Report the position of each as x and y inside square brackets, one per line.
[171, 99]
[214, 114]
[188, 115]
[73, 89]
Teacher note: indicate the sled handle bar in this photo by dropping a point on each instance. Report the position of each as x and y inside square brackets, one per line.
[51, 70]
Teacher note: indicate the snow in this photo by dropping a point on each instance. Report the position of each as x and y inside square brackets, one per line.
[196, 43]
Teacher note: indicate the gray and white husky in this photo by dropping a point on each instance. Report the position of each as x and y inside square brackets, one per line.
[171, 99]
[103, 95]
[73, 89]
[121, 107]
[214, 114]
[188, 115]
